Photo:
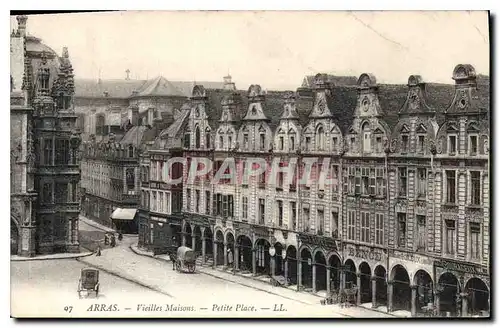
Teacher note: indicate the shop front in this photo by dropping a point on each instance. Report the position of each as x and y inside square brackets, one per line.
[197, 235]
[365, 268]
[164, 233]
[463, 288]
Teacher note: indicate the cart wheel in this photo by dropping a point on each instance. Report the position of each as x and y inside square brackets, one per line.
[177, 266]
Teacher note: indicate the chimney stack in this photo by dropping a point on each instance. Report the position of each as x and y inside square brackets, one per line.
[21, 25]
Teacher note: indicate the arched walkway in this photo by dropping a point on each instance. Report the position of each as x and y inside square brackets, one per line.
[245, 253]
[365, 289]
[350, 274]
[219, 248]
[401, 292]
[306, 268]
[262, 257]
[198, 243]
[209, 238]
[334, 263]
[279, 268]
[424, 289]
[449, 288]
[229, 252]
[14, 238]
[380, 286]
[291, 262]
[188, 236]
[478, 296]
[320, 271]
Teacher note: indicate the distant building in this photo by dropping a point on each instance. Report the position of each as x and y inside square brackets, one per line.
[44, 148]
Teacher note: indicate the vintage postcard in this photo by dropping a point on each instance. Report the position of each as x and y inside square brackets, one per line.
[267, 164]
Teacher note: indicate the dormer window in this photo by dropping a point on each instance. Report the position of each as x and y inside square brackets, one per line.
[335, 143]
[353, 144]
[229, 141]
[420, 143]
[197, 138]
[292, 143]
[221, 142]
[245, 141]
[366, 138]
[308, 143]
[262, 141]
[207, 140]
[187, 140]
[320, 137]
[473, 145]
[404, 143]
[452, 145]
[130, 151]
[281, 143]
[378, 142]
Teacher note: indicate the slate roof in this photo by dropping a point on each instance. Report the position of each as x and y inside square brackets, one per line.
[134, 136]
[34, 44]
[123, 89]
[337, 80]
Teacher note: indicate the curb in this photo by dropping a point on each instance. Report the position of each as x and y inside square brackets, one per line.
[259, 289]
[75, 257]
[137, 282]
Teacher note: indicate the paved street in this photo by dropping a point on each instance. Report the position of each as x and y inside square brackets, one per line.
[122, 274]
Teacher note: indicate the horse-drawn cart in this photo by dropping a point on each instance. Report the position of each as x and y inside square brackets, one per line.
[185, 259]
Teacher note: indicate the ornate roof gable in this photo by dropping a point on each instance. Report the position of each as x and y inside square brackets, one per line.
[416, 98]
[322, 97]
[368, 103]
[289, 107]
[466, 99]
[256, 97]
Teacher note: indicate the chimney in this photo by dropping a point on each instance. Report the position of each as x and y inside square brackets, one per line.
[128, 74]
[21, 25]
[228, 84]
[151, 115]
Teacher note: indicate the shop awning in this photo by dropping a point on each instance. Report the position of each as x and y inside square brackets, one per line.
[126, 214]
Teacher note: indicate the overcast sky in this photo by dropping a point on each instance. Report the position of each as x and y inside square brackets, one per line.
[273, 49]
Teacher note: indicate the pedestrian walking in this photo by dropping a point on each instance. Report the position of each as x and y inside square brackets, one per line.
[172, 257]
[98, 251]
[113, 240]
[120, 236]
[106, 239]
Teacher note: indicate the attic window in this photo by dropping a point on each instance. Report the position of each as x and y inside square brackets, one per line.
[254, 111]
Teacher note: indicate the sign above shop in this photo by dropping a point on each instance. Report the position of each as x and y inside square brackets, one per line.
[461, 267]
[325, 242]
[365, 253]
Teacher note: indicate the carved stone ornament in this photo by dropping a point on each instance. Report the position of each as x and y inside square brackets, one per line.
[394, 145]
[439, 146]
[414, 99]
[486, 147]
[432, 147]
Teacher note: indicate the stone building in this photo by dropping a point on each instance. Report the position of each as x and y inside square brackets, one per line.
[405, 219]
[44, 148]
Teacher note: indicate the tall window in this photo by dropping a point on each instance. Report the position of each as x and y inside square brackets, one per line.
[352, 178]
[207, 140]
[365, 180]
[452, 145]
[262, 141]
[404, 143]
[378, 141]
[197, 201]
[292, 143]
[321, 222]
[421, 235]
[421, 182]
[353, 144]
[351, 225]
[308, 143]
[403, 181]
[475, 246]
[401, 229]
[379, 229]
[62, 152]
[420, 143]
[365, 227]
[207, 202]
[262, 211]
[187, 140]
[335, 178]
[280, 212]
[281, 143]
[335, 144]
[245, 141]
[225, 206]
[380, 182]
[229, 142]
[371, 189]
[357, 189]
[320, 138]
[473, 145]
[244, 208]
[450, 237]
[367, 147]
[47, 193]
[197, 137]
[47, 151]
[293, 215]
[450, 187]
[475, 185]
[335, 223]
[162, 196]
[221, 142]
[130, 179]
[188, 199]
[130, 151]
[306, 218]
[230, 204]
